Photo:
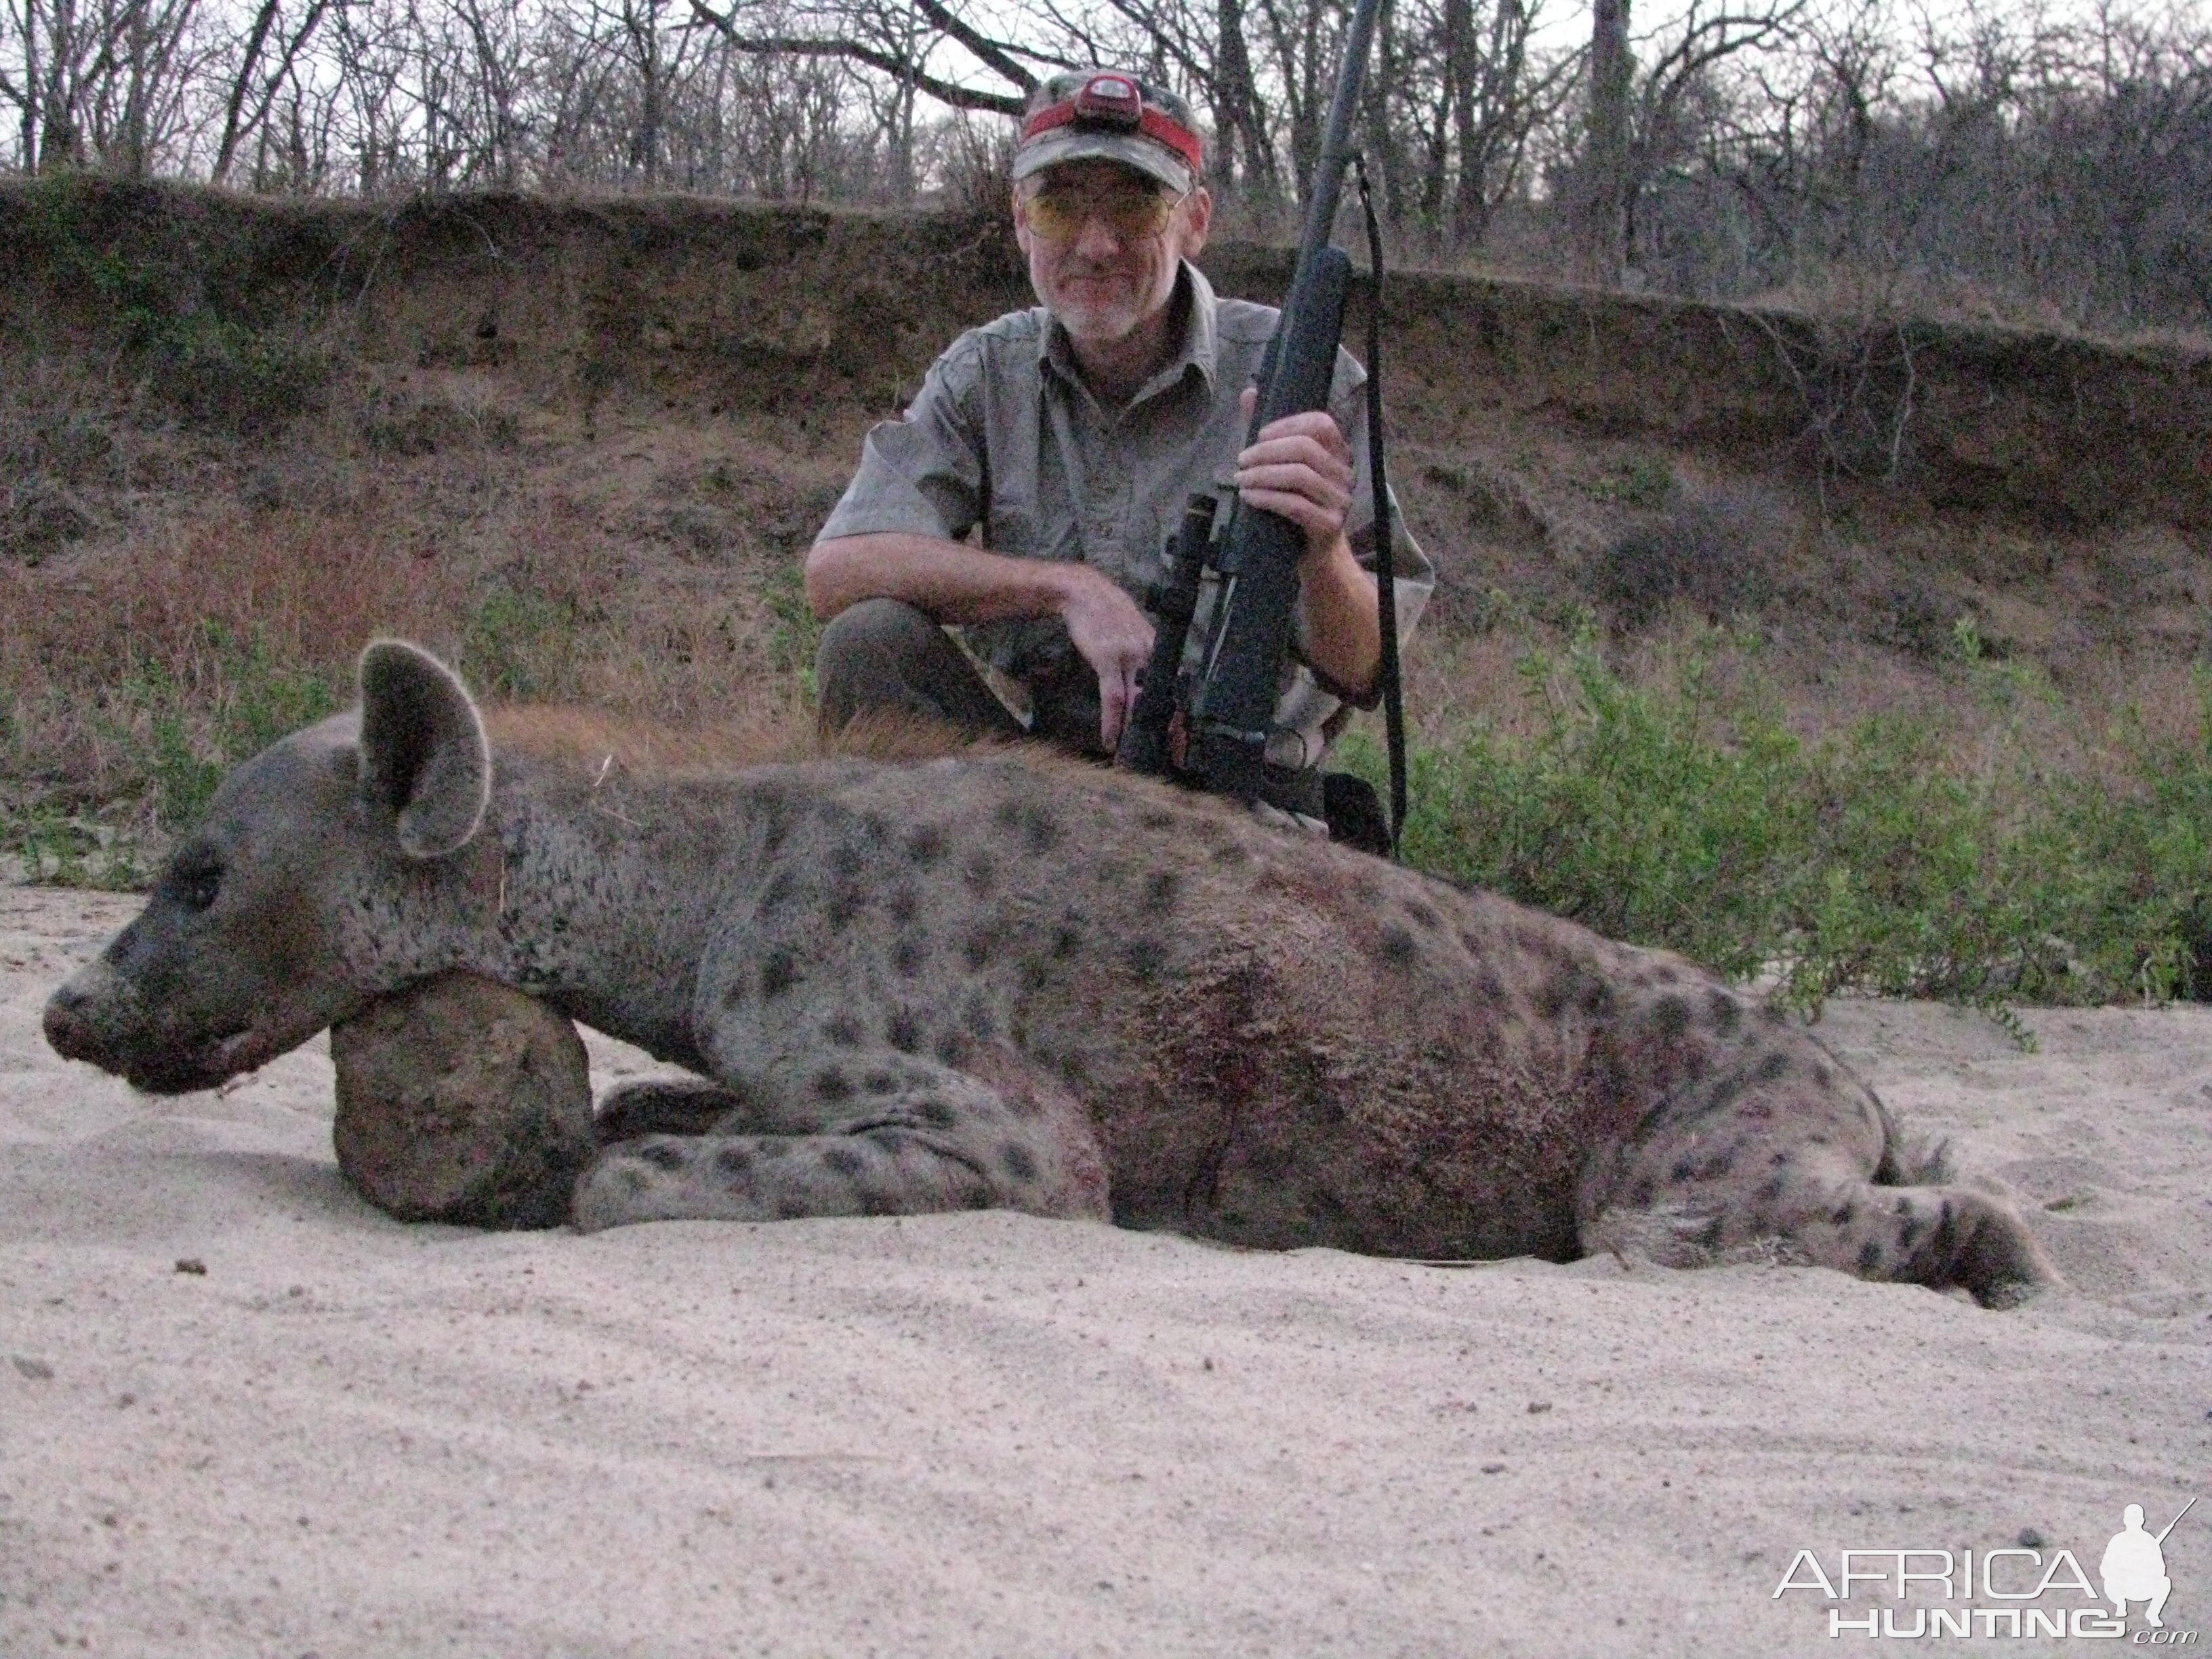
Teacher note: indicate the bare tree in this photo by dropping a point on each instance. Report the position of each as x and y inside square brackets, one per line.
[260, 74]
[1483, 98]
[133, 89]
[1203, 44]
[1606, 179]
[1635, 123]
[2056, 162]
[494, 84]
[996, 56]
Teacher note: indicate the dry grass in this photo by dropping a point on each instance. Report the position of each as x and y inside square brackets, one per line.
[765, 731]
[96, 649]
[213, 601]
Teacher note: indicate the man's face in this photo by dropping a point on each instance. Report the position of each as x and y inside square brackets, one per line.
[1103, 243]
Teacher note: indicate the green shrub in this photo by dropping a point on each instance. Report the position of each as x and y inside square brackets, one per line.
[1648, 481]
[796, 631]
[521, 645]
[1674, 816]
[169, 733]
[182, 733]
[227, 376]
[65, 850]
[1659, 818]
[209, 364]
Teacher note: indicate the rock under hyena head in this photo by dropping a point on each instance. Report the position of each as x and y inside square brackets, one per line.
[998, 979]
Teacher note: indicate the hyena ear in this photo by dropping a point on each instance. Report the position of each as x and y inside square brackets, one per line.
[425, 762]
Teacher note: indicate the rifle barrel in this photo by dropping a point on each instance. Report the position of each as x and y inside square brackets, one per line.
[2176, 1521]
[1327, 191]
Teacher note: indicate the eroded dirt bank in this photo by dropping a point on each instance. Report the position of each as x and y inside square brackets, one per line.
[582, 445]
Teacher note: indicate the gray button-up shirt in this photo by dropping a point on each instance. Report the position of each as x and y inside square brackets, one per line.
[1005, 436]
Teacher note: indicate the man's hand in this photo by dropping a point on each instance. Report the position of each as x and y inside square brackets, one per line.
[1114, 637]
[1301, 468]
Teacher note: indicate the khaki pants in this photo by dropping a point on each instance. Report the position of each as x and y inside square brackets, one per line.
[883, 654]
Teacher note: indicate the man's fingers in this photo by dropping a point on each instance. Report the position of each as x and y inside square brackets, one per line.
[1117, 694]
[1296, 452]
[1298, 509]
[1116, 638]
[1298, 480]
[1317, 425]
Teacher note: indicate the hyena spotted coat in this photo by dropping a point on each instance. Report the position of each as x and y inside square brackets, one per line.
[994, 979]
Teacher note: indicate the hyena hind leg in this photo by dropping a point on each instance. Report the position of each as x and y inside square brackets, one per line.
[664, 1106]
[1940, 1237]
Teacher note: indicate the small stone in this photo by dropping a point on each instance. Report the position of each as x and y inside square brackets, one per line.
[460, 1100]
[191, 1265]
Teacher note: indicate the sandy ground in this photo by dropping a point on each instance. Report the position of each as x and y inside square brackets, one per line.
[986, 1434]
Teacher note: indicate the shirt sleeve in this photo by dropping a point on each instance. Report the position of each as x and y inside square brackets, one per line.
[1416, 576]
[923, 473]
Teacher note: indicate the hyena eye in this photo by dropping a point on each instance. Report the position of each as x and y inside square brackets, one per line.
[194, 885]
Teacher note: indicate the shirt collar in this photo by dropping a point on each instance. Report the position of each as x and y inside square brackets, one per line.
[1199, 349]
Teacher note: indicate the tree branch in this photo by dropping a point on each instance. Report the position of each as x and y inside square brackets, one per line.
[804, 46]
[990, 52]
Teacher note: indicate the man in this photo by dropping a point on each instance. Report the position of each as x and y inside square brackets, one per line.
[2134, 1567]
[1072, 435]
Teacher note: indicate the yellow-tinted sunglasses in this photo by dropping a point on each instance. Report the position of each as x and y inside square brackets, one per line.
[1133, 212]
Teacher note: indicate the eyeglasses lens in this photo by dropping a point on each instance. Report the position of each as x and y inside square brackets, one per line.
[1131, 215]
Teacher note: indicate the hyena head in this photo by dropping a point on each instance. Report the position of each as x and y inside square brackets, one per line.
[305, 894]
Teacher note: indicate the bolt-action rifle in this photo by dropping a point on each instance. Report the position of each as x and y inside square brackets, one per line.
[1210, 729]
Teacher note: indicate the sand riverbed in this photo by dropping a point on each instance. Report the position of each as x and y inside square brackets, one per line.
[985, 1434]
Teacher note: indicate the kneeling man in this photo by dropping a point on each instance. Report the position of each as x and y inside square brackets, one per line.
[1070, 436]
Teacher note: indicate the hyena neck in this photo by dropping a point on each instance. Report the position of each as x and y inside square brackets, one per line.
[602, 901]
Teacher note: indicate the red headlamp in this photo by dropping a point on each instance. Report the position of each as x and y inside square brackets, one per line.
[1114, 102]
[1110, 100]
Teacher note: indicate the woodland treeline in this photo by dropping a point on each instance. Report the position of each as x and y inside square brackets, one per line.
[2055, 165]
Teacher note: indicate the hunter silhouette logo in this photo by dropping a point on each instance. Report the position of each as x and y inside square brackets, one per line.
[2134, 1567]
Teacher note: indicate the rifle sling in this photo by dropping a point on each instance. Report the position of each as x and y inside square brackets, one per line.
[1386, 563]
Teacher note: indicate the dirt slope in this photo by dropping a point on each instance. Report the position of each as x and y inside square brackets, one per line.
[632, 414]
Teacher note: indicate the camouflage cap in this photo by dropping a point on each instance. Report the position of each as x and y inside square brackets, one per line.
[1110, 116]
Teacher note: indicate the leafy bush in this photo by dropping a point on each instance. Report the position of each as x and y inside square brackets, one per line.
[212, 364]
[1675, 816]
[171, 736]
[186, 734]
[228, 377]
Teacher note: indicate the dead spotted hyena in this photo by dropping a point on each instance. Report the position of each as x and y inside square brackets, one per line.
[990, 979]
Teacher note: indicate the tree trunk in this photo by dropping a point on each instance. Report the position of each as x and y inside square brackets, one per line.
[1238, 116]
[1385, 159]
[60, 145]
[1605, 160]
[1461, 72]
